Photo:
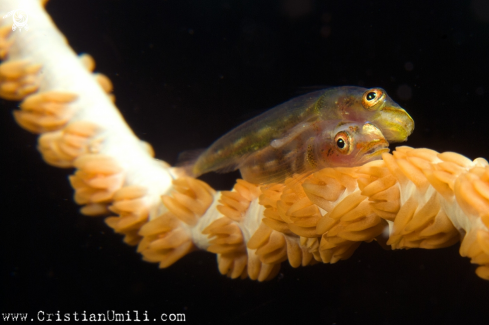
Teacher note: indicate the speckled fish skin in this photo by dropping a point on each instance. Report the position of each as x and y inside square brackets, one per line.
[328, 107]
[311, 151]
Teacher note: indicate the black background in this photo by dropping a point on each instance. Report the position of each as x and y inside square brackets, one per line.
[186, 72]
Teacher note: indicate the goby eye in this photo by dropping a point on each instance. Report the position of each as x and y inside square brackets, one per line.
[372, 98]
[342, 141]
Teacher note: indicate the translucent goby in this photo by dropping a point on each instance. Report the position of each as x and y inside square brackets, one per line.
[314, 115]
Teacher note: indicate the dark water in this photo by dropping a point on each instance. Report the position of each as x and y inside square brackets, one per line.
[185, 72]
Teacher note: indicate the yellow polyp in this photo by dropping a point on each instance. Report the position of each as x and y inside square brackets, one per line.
[320, 201]
[441, 186]
[94, 210]
[389, 194]
[445, 240]
[387, 206]
[325, 224]
[306, 222]
[364, 235]
[235, 204]
[391, 216]
[128, 224]
[164, 241]
[379, 185]
[183, 213]
[174, 255]
[274, 251]
[229, 212]
[328, 191]
[171, 239]
[190, 200]
[455, 158]
[231, 238]
[161, 224]
[224, 231]
[366, 222]
[132, 211]
[481, 259]
[446, 178]
[294, 252]
[276, 257]
[277, 225]
[336, 229]
[189, 203]
[312, 244]
[468, 241]
[423, 215]
[13, 69]
[268, 271]
[302, 208]
[88, 61]
[483, 240]
[272, 213]
[8, 88]
[481, 162]
[422, 153]
[341, 252]
[260, 271]
[130, 192]
[395, 170]
[303, 231]
[234, 201]
[375, 168]
[254, 265]
[247, 190]
[485, 219]
[224, 264]
[419, 163]
[282, 208]
[468, 199]
[330, 242]
[259, 237]
[359, 212]
[348, 203]
[414, 174]
[482, 188]
[275, 241]
[440, 224]
[400, 152]
[233, 266]
[104, 82]
[17, 78]
[483, 272]
[450, 168]
[475, 251]
[404, 215]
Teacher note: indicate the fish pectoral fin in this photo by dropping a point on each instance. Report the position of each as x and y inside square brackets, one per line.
[226, 169]
[278, 176]
[232, 164]
[290, 135]
[272, 166]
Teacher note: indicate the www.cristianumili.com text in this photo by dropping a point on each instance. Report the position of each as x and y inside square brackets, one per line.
[84, 316]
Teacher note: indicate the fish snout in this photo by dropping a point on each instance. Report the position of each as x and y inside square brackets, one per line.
[396, 124]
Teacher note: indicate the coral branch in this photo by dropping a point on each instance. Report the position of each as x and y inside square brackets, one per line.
[413, 198]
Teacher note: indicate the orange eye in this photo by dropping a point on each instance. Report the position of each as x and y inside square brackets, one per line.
[342, 142]
[372, 97]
